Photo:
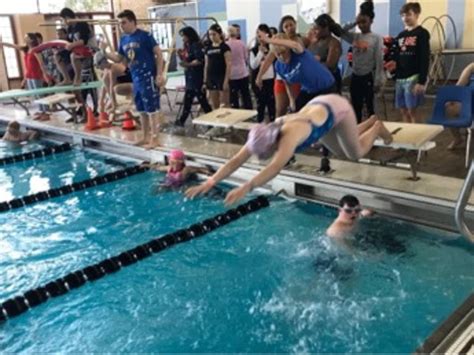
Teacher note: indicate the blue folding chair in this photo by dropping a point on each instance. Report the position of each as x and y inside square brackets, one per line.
[465, 96]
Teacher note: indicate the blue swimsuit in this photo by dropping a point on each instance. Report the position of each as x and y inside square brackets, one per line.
[317, 132]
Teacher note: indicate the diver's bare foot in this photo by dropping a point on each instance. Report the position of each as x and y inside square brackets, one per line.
[384, 133]
[388, 140]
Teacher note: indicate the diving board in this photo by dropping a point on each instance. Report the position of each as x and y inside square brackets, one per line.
[16, 95]
[411, 136]
[58, 100]
[228, 118]
[225, 117]
[411, 140]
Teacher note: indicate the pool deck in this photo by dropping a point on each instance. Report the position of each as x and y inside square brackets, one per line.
[455, 335]
[369, 179]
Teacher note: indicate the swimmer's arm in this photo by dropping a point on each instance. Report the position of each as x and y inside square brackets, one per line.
[232, 165]
[155, 166]
[367, 213]
[32, 135]
[195, 170]
[295, 46]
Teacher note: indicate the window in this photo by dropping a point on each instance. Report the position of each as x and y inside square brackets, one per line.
[98, 30]
[10, 54]
[18, 7]
[54, 6]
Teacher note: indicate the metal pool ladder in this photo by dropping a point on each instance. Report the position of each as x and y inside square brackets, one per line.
[462, 202]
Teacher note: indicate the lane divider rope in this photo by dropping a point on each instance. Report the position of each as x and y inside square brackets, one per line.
[20, 304]
[69, 189]
[61, 148]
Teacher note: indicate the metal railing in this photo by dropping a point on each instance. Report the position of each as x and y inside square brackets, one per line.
[463, 199]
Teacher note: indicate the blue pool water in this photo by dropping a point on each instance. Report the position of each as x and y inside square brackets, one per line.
[9, 148]
[269, 282]
[32, 176]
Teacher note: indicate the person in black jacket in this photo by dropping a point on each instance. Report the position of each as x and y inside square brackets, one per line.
[412, 59]
[192, 60]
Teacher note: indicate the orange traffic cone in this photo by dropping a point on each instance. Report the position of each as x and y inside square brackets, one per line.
[104, 120]
[91, 122]
[129, 122]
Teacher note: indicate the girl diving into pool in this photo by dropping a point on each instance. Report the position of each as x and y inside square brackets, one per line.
[329, 119]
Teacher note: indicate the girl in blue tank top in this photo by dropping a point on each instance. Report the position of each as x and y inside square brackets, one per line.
[297, 65]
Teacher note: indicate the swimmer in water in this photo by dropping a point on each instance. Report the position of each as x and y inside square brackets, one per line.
[350, 211]
[177, 173]
[13, 133]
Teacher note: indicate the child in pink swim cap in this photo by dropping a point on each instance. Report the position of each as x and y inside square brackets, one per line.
[177, 173]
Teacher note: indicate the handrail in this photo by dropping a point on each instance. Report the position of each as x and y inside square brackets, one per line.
[462, 202]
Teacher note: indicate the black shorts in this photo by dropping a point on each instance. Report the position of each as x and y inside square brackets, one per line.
[65, 56]
[215, 83]
[125, 78]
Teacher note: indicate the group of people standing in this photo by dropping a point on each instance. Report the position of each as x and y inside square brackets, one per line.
[285, 69]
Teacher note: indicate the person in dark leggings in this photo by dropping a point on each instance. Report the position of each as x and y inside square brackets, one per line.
[239, 72]
[265, 95]
[217, 66]
[367, 60]
[192, 60]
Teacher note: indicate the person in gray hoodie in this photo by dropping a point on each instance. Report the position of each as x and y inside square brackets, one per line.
[367, 59]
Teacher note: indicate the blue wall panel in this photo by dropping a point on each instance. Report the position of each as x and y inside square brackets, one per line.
[270, 11]
[207, 7]
[456, 9]
[396, 24]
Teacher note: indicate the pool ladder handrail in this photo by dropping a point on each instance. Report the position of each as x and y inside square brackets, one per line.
[462, 203]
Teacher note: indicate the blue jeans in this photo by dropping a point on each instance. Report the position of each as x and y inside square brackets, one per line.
[404, 96]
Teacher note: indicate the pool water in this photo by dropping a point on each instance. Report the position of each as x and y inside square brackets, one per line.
[268, 282]
[33, 176]
[9, 148]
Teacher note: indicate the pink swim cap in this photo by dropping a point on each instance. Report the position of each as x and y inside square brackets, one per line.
[262, 139]
[177, 154]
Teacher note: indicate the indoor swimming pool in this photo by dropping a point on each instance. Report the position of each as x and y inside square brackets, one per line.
[270, 281]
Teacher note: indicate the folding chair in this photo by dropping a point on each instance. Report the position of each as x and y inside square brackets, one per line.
[465, 96]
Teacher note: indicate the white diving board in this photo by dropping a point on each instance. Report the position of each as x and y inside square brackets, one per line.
[227, 118]
[411, 139]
